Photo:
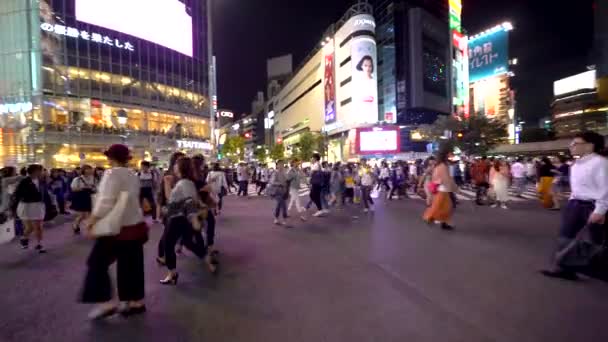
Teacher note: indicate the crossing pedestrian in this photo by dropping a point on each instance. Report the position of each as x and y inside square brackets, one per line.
[518, 172]
[83, 187]
[243, 179]
[588, 201]
[295, 176]
[546, 174]
[122, 244]
[185, 217]
[316, 184]
[499, 183]
[279, 191]
[30, 198]
[367, 180]
[216, 179]
[441, 186]
[148, 182]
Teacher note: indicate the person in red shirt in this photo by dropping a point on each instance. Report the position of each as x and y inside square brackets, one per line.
[479, 174]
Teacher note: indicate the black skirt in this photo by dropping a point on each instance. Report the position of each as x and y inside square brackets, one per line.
[82, 201]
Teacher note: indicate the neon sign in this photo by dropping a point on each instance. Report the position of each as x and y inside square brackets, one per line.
[62, 30]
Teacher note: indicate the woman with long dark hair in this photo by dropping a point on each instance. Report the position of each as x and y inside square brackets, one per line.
[167, 184]
[125, 245]
[31, 208]
[183, 219]
[441, 186]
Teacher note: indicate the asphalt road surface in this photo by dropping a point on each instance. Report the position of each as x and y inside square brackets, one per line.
[377, 277]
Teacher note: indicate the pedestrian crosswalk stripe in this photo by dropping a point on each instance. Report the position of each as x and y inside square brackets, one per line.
[464, 194]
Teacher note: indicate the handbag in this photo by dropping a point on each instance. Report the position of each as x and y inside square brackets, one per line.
[585, 257]
[111, 224]
[136, 232]
[7, 230]
[433, 187]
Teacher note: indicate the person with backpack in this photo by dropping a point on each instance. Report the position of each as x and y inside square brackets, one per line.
[83, 187]
[147, 180]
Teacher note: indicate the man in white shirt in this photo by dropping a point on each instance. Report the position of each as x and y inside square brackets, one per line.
[518, 171]
[243, 178]
[588, 200]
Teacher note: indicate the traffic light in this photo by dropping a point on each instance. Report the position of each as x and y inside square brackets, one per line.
[459, 135]
[279, 140]
[247, 135]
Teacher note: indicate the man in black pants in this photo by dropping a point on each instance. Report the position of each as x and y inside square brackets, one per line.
[588, 201]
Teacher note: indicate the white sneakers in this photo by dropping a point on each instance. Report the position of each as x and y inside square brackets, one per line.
[318, 213]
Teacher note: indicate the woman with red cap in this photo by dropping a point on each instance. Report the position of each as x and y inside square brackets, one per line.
[118, 227]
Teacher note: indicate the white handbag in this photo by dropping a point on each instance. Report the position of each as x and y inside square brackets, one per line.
[7, 231]
[111, 224]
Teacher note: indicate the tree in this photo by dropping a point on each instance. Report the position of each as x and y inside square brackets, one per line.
[308, 144]
[261, 153]
[476, 135]
[480, 134]
[234, 148]
[277, 151]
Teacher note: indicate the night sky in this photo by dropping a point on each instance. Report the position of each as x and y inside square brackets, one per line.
[551, 40]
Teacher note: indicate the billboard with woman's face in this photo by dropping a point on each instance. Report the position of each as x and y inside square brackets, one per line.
[365, 81]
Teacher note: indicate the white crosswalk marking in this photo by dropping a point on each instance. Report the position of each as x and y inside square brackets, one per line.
[465, 194]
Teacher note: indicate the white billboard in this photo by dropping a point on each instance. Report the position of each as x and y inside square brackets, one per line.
[584, 80]
[364, 71]
[163, 22]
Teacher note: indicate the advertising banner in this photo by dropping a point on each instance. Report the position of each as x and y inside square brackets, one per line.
[488, 55]
[365, 81]
[330, 89]
[378, 140]
[164, 22]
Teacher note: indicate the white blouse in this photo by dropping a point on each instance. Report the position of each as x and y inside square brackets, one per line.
[113, 182]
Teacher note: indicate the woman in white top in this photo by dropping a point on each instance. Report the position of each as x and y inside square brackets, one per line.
[83, 188]
[126, 248]
[216, 179]
[499, 180]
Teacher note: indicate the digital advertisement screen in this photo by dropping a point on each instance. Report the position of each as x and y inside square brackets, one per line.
[378, 140]
[163, 22]
[488, 55]
[365, 75]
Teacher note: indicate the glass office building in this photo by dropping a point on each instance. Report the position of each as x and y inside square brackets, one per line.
[79, 75]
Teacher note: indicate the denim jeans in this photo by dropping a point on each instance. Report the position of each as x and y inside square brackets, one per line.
[281, 207]
[366, 197]
[243, 188]
[520, 185]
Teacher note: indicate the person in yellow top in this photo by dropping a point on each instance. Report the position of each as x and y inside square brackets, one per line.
[366, 177]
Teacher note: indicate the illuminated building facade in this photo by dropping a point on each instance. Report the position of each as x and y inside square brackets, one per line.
[460, 62]
[489, 76]
[414, 54]
[577, 106]
[77, 76]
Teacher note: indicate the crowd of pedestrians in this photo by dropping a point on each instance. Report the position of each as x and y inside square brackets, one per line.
[111, 205]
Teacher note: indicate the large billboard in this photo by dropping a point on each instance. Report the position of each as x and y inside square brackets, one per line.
[163, 22]
[364, 71]
[584, 80]
[489, 53]
[378, 140]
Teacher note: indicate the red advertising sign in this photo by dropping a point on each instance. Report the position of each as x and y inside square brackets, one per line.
[330, 93]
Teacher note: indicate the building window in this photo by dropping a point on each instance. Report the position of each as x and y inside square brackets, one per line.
[346, 81]
[345, 102]
[348, 59]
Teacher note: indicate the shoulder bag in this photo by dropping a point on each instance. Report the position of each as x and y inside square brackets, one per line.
[111, 224]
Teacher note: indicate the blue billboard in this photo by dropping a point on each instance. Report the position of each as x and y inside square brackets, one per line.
[488, 54]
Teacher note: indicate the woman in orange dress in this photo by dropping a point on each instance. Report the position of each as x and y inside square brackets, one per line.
[442, 207]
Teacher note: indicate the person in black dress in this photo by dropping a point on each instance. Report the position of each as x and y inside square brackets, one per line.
[83, 188]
